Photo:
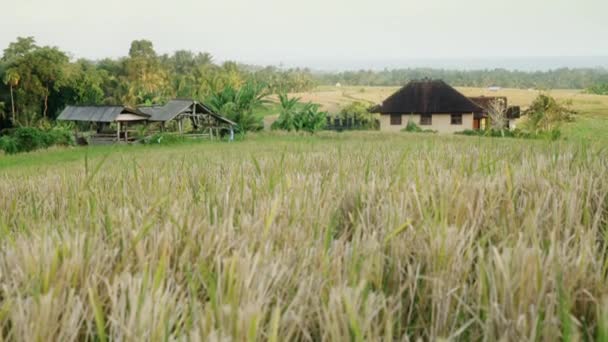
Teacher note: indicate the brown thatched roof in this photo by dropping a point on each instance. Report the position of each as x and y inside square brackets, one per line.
[428, 97]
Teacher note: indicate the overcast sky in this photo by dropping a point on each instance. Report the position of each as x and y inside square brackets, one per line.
[316, 32]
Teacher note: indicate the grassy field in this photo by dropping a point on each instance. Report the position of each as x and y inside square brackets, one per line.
[356, 236]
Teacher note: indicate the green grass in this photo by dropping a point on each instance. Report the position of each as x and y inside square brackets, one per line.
[59, 155]
[352, 236]
[587, 128]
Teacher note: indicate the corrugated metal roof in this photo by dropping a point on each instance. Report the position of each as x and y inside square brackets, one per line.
[174, 108]
[97, 113]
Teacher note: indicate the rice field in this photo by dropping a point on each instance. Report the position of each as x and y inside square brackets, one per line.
[358, 236]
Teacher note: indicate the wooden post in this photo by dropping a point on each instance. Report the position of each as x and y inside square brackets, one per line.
[118, 130]
[179, 123]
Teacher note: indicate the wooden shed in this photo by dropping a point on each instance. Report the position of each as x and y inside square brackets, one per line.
[101, 116]
[203, 120]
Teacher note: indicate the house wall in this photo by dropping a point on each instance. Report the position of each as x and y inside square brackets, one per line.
[441, 123]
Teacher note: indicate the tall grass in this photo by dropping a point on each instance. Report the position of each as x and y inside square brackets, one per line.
[337, 237]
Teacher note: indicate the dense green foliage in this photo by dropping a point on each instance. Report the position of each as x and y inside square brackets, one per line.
[27, 139]
[239, 104]
[598, 89]
[295, 116]
[554, 79]
[37, 82]
[359, 112]
[546, 114]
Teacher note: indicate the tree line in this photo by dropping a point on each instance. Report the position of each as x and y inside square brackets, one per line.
[39, 81]
[554, 79]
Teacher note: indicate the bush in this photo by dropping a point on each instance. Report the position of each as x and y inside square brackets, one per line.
[547, 114]
[297, 117]
[27, 139]
[411, 127]
[598, 89]
[238, 104]
[553, 134]
[8, 145]
[359, 112]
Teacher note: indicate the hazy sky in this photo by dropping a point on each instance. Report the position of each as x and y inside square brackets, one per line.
[314, 32]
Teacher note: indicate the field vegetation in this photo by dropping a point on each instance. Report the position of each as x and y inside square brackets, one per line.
[354, 236]
[298, 234]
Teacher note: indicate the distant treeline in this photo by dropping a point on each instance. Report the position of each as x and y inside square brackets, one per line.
[554, 79]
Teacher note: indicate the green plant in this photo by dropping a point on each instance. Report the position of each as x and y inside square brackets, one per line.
[299, 117]
[598, 89]
[553, 134]
[359, 112]
[546, 113]
[27, 139]
[239, 104]
[288, 113]
[412, 127]
[9, 145]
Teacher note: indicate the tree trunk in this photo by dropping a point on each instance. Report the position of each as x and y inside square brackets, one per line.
[13, 105]
[46, 105]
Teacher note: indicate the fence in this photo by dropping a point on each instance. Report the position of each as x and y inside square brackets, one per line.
[345, 124]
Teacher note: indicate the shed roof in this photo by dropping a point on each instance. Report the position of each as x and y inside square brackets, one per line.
[174, 108]
[428, 97]
[98, 113]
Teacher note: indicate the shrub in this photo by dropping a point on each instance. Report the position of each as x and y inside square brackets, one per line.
[30, 139]
[297, 117]
[411, 127]
[360, 112]
[547, 114]
[598, 89]
[553, 134]
[27, 139]
[8, 144]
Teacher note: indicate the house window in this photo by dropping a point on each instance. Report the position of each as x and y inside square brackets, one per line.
[456, 119]
[396, 119]
[426, 120]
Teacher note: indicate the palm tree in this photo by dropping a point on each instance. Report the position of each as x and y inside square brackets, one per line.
[289, 112]
[12, 79]
[239, 104]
